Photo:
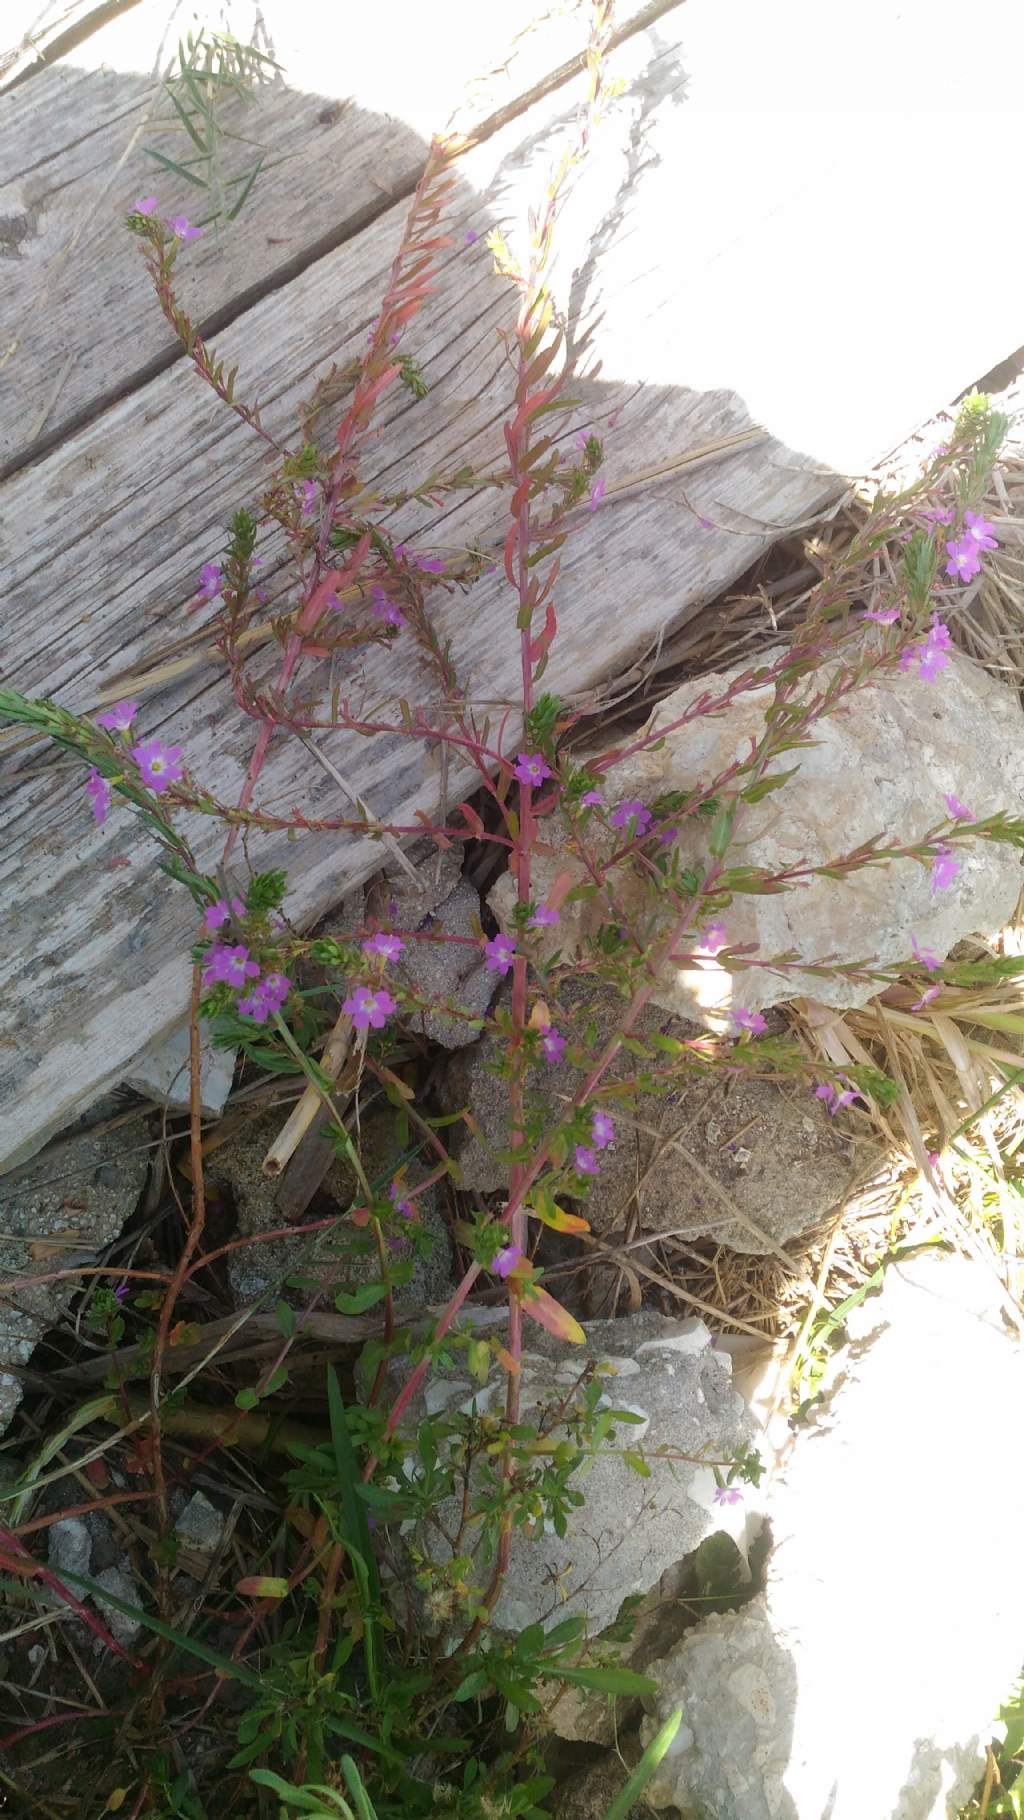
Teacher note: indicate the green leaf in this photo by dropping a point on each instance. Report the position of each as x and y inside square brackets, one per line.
[605, 1680]
[364, 1806]
[360, 1299]
[246, 1399]
[235, 1671]
[179, 170]
[286, 1319]
[635, 1784]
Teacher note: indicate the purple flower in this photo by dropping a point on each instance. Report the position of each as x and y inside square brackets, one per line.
[958, 811]
[925, 956]
[122, 1290]
[632, 811]
[883, 616]
[430, 565]
[938, 515]
[964, 562]
[470, 237]
[508, 1259]
[160, 765]
[978, 531]
[932, 661]
[714, 938]
[552, 1043]
[749, 1020]
[597, 494]
[402, 1206]
[544, 917]
[581, 439]
[386, 609]
[369, 1009]
[306, 490]
[586, 1161]
[500, 952]
[182, 228]
[602, 1132]
[99, 790]
[728, 1494]
[389, 947]
[530, 768]
[945, 867]
[217, 914]
[931, 657]
[229, 966]
[925, 998]
[334, 603]
[274, 987]
[592, 800]
[668, 836]
[144, 206]
[255, 1006]
[118, 719]
[832, 1096]
[209, 581]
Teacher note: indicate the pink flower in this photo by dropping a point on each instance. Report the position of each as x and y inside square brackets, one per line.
[925, 998]
[714, 938]
[832, 1096]
[334, 603]
[99, 790]
[603, 1131]
[945, 867]
[632, 811]
[931, 657]
[500, 952]
[160, 765]
[586, 1161]
[369, 1009]
[883, 616]
[229, 966]
[932, 662]
[592, 800]
[964, 562]
[402, 1206]
[144, 206]
[217, 914]
[508, 1259]
[118, 719]
[958, 811]
[531, 769]
[470, 237]
[978, 531]
[386, 609]
[925, 956]
[597, 494]
[749, 1020]
[728, 1494]
[274, 987]
[182, 228]
[255, 1006]
[544, 917]
[553, 1045]
[938, 515]
[306, 490]
[389, 947]
[209, 581]
[668, 836]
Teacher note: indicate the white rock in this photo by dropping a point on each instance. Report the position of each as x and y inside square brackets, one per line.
[864, 1683]
[162, 1074]
[69, 1546]
[121, 1625]
[879, 766]
[201, 1524]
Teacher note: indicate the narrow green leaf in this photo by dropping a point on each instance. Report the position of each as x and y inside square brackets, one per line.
[364, 1806]
[235, 1671]
[606, 1680]
[635, 1784]
[179, 170]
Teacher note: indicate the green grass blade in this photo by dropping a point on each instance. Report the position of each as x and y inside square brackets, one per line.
[187, 122]
[364, 1806]
[169, 164]
[635, 1784]
[239, 202]
[236, 1671]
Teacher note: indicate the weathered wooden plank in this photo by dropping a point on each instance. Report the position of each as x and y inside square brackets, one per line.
[76, 332]
[35, 32]
[105, 536]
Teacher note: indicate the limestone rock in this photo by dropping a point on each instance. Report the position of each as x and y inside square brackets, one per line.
[746, 1161]
[122, 1584]
[862, 1683]
[201, 1524]
[449, 973]
[69, 1546]
[879, 765]
[630, 1528]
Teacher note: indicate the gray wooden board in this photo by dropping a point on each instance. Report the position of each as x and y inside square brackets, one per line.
[103, 539]
[76, 328]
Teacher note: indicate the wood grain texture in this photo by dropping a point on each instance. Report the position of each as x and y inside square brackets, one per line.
[102, 540]
[77, 329]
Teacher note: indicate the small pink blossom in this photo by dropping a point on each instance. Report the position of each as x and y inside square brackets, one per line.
[544, 917]
[229, 966]
[530, 768]
[552, 1043]
[182, 229]
[925, 998]
[596, 495]
[470, 237]
[728, 1494]
[144, 206]
[386, 609]
[938, 515]
[714, 938]
[668, 837]
[217, 914]
[369, 1009]
[306, 491]
[592, 800]
[209, 581]
[508, 1259]
[334, 603]
[883, 616]
[275, 987]
[500, 953]
[388, 947]
[932, 662]
[749, 1020]
[99, 790]
[160, 765]
[945, 867]
[255, 1007]
[964, 561]
[833, 1098]
[632, 811]
[602, 1132]
[958, 811]
[586, 1161]
[925, 956]
[400, 1204]
[581, 439]
[979, 531]
[119, 719]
